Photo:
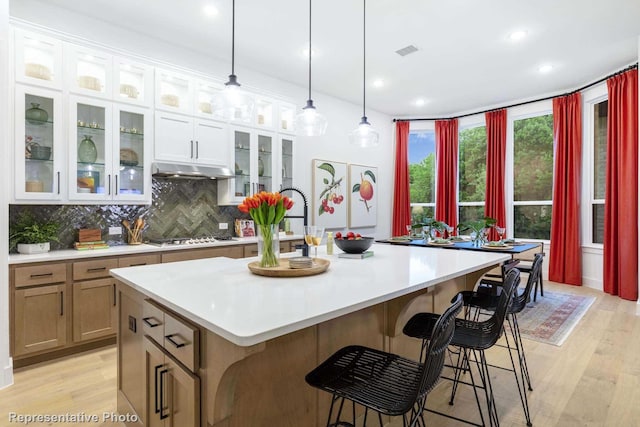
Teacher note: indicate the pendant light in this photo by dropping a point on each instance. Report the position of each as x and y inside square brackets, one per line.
[309, 122]
[364, 135]
[236, 103]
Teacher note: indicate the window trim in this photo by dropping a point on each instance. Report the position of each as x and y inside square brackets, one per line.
[590, 98]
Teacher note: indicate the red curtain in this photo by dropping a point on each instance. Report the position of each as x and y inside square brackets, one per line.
[447, 170]
[494, 205]
[401, 199]
[565, 258]
[621, 189]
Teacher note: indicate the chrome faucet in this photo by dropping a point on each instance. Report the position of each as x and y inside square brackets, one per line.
[305, 214]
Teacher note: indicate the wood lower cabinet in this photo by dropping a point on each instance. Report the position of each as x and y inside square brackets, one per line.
[172, 392]
[94, 309]
[190, 254]
[40, 319]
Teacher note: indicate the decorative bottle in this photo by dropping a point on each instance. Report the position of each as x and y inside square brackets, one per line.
[329, 243]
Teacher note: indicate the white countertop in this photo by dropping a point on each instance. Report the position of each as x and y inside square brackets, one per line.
[72, 254]
[223, 296]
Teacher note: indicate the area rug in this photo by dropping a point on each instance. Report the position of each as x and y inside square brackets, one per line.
[553, 316]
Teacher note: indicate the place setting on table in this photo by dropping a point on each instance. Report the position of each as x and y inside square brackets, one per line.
[432, 233]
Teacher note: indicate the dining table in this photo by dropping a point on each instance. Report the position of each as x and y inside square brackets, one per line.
[512, 248]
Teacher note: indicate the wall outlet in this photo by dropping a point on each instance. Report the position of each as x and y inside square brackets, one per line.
[223, 226]
[115, 231]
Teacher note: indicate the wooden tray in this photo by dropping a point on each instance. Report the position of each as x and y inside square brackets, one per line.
[320, 265]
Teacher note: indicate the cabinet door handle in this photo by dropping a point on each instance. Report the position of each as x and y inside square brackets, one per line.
[147, 321]
[96, 269]
[36, 276]
[116, 187]
[197, 149]
[109, 179]
[114, 295]
[61, 303]
[174, 342]
[191, 149]
[162, 414]
[156, 389]
[58, 182]
[139, 264]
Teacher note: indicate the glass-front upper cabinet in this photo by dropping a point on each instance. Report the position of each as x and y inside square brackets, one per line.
[286, 161]
[39, 151]
[133, 82]
[38, 59]
[90, 149]
[255, 165]
[287, 118]
[174, 92]
[208, 99]
[134, 131]
[88, 71]
[265, 113]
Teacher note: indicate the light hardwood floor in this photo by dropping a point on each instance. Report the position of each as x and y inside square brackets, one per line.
[593, 379]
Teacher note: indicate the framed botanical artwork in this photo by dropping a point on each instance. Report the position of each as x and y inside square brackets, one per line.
[329, 186]
[363, 196]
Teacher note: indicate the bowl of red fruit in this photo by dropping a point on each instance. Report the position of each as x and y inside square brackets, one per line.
[353, 243]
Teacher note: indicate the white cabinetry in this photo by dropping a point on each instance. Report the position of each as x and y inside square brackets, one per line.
[256, 155]
[38, 59]
[108, 154]
[39, 148]
[183, 139]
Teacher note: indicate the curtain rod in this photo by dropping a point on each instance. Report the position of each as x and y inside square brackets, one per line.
[630, 67]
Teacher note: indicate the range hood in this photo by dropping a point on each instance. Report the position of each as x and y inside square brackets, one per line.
[190, 171]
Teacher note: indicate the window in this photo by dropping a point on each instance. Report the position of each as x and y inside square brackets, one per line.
[472, 173]
[600, 116]
[532, 177]
[422, 173]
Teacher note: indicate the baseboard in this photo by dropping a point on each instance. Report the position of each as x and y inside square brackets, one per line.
[6, 379]
[592, 283]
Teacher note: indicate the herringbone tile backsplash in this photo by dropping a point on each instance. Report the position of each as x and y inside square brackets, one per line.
[179, 208]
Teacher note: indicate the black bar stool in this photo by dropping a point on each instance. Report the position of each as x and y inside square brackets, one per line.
[472, 338]
[384, 382]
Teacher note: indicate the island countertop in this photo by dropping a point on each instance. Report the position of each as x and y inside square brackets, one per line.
[223, 296]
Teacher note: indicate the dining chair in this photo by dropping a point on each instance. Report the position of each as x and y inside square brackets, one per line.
[384, 382]
[472, 338]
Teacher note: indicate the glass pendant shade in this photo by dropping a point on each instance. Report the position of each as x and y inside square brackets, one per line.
[364, 135]
[309, 122]
[235, 103]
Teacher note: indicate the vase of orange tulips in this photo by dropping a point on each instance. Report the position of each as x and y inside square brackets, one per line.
[267, 211]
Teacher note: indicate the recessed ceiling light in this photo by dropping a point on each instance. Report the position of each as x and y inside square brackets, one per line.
[378, 83]
[517, 35]
[210, 10]
[545, 68]
[419, 102]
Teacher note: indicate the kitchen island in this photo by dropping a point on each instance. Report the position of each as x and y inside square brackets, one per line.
[250, 340]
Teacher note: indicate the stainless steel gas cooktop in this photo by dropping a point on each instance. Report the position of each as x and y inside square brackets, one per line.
[188, 241]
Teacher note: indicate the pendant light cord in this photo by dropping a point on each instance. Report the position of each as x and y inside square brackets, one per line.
[364, 58]
[233, 36]
[309, 49]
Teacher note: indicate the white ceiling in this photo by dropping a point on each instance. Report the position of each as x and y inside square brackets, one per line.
[464, 62]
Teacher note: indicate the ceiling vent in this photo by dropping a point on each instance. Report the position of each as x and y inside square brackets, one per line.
[407, 50]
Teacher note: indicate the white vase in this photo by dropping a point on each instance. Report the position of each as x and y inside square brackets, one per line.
[33, 248]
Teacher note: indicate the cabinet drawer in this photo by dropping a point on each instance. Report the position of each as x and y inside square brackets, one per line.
[132, 261]
[153, 321]
[93, 269]
[182, 341]
[228, 251]
[252, 250]
[40, 274]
